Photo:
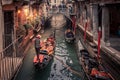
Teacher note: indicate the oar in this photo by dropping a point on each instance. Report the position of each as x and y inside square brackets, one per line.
[68, 67]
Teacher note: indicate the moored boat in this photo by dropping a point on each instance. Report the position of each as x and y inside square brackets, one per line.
[69, 36]
[92, 68]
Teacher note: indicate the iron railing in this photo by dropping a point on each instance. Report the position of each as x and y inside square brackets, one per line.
[10, 63]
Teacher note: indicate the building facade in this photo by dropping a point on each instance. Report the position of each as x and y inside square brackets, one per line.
[102, 14]
[14, 14]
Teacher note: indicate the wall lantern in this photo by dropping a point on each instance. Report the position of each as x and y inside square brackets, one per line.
[19, 11]
[26, 10]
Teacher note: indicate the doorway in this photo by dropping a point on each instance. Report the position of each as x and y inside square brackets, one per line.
[8, 32]
[114, 20]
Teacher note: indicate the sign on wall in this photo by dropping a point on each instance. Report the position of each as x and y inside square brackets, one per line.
[6, 2]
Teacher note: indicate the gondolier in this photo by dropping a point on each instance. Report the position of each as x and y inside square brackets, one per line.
[37, 45]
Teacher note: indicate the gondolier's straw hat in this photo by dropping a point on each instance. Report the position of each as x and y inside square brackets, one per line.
[38, 36]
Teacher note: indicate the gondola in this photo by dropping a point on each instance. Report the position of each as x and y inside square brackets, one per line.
[92, 68]
[69, 36]
[46, 51]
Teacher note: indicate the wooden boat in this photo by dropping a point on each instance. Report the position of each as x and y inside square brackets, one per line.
[93, 70]
[69, 36]
[47, 49]
[43, 61]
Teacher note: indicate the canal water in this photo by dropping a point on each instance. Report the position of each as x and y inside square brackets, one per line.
[55, 70]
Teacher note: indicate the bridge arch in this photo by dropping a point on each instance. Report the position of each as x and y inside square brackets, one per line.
[67, 18]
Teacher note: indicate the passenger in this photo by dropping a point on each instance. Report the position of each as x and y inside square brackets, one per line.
[50, 40]
[50, 49]
[44, 47]
[37, 45]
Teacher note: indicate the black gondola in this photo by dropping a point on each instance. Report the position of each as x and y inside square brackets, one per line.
[92, 68]
[46, 51]
[43, 61]
[69, 36]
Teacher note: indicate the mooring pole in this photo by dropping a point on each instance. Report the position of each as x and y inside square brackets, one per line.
[99, 42]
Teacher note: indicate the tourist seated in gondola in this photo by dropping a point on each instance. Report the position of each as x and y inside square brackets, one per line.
[50, 40]
[69, 33]
[47, 47]
[50, 49]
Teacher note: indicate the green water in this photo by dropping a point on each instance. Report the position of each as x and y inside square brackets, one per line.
[55, 70]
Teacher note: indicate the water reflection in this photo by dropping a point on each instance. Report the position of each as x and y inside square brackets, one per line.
[68, 56]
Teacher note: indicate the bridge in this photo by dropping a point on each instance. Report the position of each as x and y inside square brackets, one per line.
[63, 11]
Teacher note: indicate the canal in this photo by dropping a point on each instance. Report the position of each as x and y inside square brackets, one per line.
[56, 70]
